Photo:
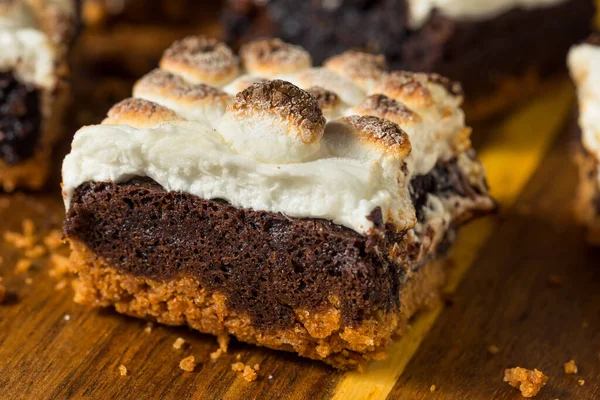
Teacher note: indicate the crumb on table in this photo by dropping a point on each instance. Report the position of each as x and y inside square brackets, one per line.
[581, 382]
[493, 349]
[59, 265]
[570, 367]
[61, 284]
[53, 240]
[148, 328]
[432, 388]
[248, 372]
[527, 381]
[188, 364]
[122, 370]
[23, 265]
[178, 343]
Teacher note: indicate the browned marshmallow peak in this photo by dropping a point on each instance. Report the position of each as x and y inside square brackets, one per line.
[363, 136]
[362, 68]
[201, 60]
[329, 102]
[274, 122]
[139, 113]
[379, 105]
[414, 88]
[270, 57]
[192, 101]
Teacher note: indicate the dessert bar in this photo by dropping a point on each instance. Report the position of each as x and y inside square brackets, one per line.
[584, 63]
[300, 208]
[34, 38]
[499, 50]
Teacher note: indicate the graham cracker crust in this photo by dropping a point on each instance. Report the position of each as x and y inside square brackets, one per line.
[318, 335]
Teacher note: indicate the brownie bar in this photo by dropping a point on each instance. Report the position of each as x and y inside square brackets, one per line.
[20, 118]
[584, 64]
[36, 36]
[300, 217]
[498, 60]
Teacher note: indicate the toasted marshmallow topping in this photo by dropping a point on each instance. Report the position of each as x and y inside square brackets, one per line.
[272, 150]
[382, 106]
[350, 94]
[201, 60]
[362, 68]
[413, 88]
[329, 102]
[24, 47]
[274, 122]
[270, 57]
[584, 64]
[243, 83]
[420, 10]
[138, 113]
[196, 102]
[365, 136]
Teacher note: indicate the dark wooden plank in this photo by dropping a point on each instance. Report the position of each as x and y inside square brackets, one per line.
[507, 301]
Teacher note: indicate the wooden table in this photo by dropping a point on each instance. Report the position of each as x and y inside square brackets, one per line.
[523, 281]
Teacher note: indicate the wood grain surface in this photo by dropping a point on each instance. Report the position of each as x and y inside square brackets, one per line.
[51, 348]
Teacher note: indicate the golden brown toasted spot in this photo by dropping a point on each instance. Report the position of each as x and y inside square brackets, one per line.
[379, 105]
[357, 65]
[139, 113]
[167, 84]
[288, 101]
[205, 58]
[325, 98]
[384, 133]
[274, 56]
[413, 86]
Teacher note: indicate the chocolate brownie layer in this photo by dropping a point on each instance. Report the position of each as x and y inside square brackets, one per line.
[266, 261]
[20, 119]
[479, 54]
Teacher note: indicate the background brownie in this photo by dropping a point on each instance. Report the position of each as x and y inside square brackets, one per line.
[498, 59]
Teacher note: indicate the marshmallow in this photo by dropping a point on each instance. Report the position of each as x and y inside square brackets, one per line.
[362, 68]
[139, 113]
[330, 103]
[270, 57]
[195, 102]
[274, 122]
[327, 79]
[201, 60]
[243, 83]
[366, 138]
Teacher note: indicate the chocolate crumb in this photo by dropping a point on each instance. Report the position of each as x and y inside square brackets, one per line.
[527, 381]
[570, 367]
[188, 364]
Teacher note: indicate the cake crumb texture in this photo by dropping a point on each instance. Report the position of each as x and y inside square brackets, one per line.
[527, 381]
